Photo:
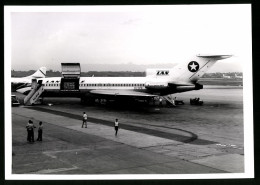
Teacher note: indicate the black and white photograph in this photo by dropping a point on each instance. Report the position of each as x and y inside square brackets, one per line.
[128, 92]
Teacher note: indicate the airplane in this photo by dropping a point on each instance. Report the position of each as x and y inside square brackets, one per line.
[18, 83]
[224, 76]
[236, 76]
[157, 82]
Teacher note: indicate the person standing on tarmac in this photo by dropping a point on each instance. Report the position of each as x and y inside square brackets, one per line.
[160, 102]
[85, 117]
[40, 131]
[116, 126]
[30, 131]
[27, 128]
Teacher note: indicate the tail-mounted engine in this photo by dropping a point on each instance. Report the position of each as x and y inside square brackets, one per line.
[183, 87]
[156, 85]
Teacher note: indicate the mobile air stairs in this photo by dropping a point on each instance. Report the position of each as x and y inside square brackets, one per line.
[172, 102]
[35, 93]
[169, 100]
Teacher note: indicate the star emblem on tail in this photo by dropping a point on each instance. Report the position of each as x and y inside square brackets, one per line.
[193, 66]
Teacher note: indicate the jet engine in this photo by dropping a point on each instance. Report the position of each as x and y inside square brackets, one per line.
[183, 88]
[156, 85]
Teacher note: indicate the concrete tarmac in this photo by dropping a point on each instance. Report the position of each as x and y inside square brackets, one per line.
[69, 149]
[148, 142]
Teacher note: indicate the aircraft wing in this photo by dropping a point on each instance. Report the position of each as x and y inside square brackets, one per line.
[118, 92]
[177, 83]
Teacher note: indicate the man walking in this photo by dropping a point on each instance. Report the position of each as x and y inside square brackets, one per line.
[85, 117]
[116, 126]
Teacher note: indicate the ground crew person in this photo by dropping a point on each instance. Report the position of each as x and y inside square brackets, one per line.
[174, 101]
[85, 117]
[160, 101]
[116, 126]
[30, 131]
[40, 131]
[27, 128]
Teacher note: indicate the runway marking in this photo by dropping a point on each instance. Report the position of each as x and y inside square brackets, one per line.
[49, 153]
[229, 146]
[54, 170]
[193, 139]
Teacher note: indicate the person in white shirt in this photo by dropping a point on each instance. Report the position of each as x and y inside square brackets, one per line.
[30, 131]
[40, 131]
[116, 126]
[85, 117]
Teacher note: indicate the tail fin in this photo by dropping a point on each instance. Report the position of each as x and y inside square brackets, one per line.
[40, 73]
[192, 70]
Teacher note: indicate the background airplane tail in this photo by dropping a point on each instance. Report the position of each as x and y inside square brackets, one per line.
[195, 68]
[40, 73]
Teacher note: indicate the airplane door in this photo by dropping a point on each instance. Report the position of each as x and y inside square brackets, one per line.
[69, 84]
[70, 77]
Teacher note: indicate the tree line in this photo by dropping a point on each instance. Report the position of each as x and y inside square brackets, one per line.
[51, 73]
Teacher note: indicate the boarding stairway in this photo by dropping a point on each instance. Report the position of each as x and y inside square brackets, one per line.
[35, 93]
[169, 99]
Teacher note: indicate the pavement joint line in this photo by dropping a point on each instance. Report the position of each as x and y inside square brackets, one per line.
[109, 155]
[117, 157]
[65, 162]
[50, 155]
[72, 150]
[144, 166]
[47, 171]
[190, 161]
[30, 163]
[174, 145]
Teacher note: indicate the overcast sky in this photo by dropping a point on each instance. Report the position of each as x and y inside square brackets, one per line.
[142, 35]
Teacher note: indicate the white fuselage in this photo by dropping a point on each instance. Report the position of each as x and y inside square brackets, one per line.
[90, 83]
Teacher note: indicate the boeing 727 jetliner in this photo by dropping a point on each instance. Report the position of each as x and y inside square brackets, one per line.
[18, 83]
[158, 82]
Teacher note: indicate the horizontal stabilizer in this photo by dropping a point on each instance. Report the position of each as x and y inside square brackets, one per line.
[216, 57]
